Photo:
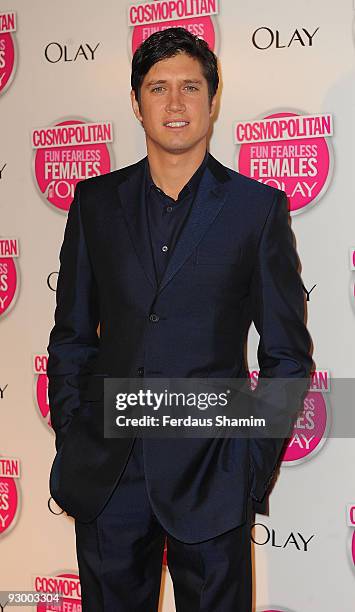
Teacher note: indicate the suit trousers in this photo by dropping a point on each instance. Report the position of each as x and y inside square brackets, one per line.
[120, 557]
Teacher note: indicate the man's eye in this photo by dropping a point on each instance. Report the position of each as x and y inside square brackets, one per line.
[158, 88]
[191, 88]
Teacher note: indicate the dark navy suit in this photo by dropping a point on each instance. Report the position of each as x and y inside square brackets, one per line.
[233, 263]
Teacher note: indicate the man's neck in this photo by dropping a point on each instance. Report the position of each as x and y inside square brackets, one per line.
[171, 172]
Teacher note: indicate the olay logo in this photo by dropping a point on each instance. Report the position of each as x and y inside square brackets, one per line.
[56, 52]
[264, 38]
[263, 535]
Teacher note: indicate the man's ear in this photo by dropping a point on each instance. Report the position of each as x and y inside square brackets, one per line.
[135, 106]
[213, 105]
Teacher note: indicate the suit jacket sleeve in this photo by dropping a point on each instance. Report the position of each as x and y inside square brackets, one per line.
[278, 312]
[73, 341]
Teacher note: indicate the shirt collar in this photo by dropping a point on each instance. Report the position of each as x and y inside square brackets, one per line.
[190, 186]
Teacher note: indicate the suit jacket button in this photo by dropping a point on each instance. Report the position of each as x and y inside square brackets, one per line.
[153, 317]
[140, 371]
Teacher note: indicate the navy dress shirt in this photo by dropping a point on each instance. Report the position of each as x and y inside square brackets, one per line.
[167, 216]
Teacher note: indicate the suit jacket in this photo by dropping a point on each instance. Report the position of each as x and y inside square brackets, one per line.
[234, 263]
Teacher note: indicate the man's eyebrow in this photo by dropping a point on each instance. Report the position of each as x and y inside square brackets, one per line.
[164, 81]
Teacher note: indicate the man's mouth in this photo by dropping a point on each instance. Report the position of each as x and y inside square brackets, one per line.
[176, 124]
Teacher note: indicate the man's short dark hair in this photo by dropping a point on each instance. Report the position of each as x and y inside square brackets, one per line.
[168, 43]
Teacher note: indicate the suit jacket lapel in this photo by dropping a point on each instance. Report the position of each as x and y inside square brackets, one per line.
[132, 196]
[209, 200]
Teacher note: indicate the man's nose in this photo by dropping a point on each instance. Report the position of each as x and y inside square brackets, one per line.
[175, 102]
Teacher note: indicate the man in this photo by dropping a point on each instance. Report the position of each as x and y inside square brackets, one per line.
[174, 256]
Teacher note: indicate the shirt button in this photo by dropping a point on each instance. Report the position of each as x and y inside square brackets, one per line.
[164, 248]
[140, 371]
[153, 317]
[169, 209]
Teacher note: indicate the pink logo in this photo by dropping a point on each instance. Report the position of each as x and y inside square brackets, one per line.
[309, 431]
[278, 610]
[7, 49]
[288, 151]
[67, 584]
[165, 554]
[350, 515]
[9, 498]
[41, 387]
[9, 251]
[310, 428]
[67, 153]
[196, 16]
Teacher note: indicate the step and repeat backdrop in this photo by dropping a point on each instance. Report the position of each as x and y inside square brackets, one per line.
[286, 118]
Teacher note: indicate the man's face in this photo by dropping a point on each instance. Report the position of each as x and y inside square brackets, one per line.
[174, 109]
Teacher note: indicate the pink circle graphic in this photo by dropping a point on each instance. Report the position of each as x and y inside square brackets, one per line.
[308, 432]
[300, 167]
[8, 283]
[202, 27]
[276, 610]
[7, 60]
[8, 502]
[165, 553]
[42, 397]
[68, 603]
[59, 169]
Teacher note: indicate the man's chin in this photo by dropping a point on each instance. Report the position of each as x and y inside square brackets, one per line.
[178, 148]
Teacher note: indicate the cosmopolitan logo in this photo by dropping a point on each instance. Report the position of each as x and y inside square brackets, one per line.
[196, 16]
[41, 387]
[311, 426]
[264, 38]
[67, 153]
[263, 535]
[285, 127]
[54, 52]
[9, 496]
[287, 151]
[9, 276]
[67, 585]
[167, 10]
[7, 49]
[63, 135]
[319, 380]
